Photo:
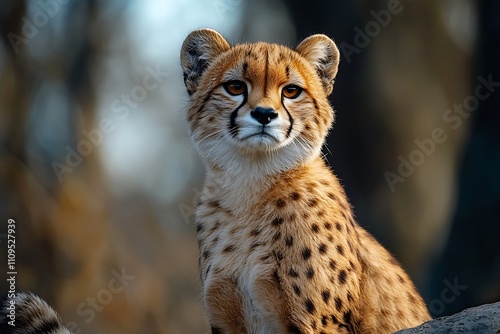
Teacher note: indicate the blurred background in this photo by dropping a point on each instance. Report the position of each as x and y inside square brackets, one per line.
[98, 171]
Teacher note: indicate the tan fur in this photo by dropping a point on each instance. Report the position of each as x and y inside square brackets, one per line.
[280, 251]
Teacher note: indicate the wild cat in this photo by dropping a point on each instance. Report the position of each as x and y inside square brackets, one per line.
[279, 248]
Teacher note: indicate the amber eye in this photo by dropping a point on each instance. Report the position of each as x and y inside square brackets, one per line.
[291, 91]
[235, 87]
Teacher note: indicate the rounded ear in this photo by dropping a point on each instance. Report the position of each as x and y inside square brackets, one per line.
[199, 48]
[324, 55]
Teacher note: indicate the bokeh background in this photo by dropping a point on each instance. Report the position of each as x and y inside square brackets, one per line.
[98, 171]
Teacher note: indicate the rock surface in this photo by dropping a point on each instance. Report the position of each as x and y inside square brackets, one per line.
[484, 319]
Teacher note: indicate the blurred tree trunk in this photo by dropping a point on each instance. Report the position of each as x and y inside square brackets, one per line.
[472, 254]
[62, 225]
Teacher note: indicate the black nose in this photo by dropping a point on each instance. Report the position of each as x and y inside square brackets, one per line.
[264, 115]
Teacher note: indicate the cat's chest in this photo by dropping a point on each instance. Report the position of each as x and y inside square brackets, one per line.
[234, 245]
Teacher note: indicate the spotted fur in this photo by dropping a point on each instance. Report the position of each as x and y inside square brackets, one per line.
[32, 316]
[279, 248]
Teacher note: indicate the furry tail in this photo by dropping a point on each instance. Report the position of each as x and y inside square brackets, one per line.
[29, 314]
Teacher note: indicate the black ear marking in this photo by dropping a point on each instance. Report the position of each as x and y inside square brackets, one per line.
[199, 49]
[324, 55]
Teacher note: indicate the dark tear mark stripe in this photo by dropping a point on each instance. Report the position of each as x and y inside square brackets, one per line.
[233, 127]
[290, 118]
